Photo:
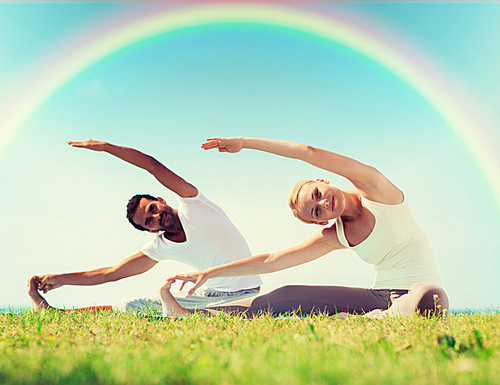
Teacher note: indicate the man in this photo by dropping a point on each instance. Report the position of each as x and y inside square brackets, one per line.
[198, 233]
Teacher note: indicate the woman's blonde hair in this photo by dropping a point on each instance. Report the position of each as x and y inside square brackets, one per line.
[293, 198]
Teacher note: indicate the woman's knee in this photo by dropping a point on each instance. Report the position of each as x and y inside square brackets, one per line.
[266, 301]
[431, 298]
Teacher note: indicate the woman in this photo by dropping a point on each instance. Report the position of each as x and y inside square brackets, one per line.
[373, 219]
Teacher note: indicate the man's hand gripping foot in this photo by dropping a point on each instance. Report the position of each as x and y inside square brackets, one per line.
[37, 301]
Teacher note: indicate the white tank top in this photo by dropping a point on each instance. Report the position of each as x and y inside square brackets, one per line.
[397, 247]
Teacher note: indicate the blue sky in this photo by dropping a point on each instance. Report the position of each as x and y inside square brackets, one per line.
[64, 208]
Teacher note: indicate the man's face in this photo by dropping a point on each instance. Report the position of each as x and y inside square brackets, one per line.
[155, 215]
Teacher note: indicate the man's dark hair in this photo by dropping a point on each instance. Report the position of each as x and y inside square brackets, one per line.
[132, 208]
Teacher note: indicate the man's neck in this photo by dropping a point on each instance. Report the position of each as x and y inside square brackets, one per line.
[177, 233]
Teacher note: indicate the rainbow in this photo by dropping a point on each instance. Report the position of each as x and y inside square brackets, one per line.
[339, 29]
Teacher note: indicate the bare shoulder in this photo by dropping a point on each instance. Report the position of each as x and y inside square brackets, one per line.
[382, 190]
[329, 234]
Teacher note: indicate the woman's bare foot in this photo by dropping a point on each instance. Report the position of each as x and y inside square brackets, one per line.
[170, 305]
[342, 315]
[377, 313]
[37, 301]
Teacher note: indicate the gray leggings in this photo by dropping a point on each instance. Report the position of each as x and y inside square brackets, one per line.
[306, 300]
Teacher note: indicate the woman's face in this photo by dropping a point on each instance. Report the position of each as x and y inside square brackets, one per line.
[319, 202]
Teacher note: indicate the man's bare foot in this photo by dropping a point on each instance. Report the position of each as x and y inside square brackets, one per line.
[170, 305]
[37, 301]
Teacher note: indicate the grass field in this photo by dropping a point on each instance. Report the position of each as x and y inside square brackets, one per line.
[53, 347]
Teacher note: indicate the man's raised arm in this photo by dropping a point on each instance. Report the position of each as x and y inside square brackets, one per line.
[136, 264]
[166, 177]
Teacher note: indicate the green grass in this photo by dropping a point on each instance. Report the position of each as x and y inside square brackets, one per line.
[77, 348]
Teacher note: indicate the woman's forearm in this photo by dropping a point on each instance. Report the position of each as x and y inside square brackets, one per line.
[318, 157]
[361, 175]
[257, 264]
[309, 250]
[314, 247]
[278, 147]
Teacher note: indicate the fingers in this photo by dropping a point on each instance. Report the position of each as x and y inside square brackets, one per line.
[190, 277]
[90, 144]
[211, 143]
[77, 144]
[184, 277]
[209, 146]
[195, 287]
[33, 281]
[222, 144]
[45, 287]
[36, 282]
[180, 278]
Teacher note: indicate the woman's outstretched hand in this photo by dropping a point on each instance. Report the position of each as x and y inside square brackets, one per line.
[90, 144]
[223, 144]
[198, 278]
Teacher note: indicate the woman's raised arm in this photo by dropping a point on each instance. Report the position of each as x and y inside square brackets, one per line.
[365, 178]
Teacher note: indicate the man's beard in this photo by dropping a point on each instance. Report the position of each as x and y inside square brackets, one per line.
[168, 220]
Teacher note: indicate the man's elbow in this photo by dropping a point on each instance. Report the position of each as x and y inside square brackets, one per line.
[155, 167]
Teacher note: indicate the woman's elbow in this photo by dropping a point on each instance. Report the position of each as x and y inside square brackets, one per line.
[307, 152]
[275, 262]
[271, 264]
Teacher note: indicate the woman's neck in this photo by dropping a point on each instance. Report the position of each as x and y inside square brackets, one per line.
[353, 206]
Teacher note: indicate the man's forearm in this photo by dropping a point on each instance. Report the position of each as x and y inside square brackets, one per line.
[136, 264]
[133, 156]
[88, 278]
[162, 174]
[166, 177]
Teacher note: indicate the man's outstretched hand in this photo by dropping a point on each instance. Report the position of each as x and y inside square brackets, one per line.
[45, 282]
[90, 144]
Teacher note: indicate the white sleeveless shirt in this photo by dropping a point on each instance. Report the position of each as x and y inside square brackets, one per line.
[397, 247]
